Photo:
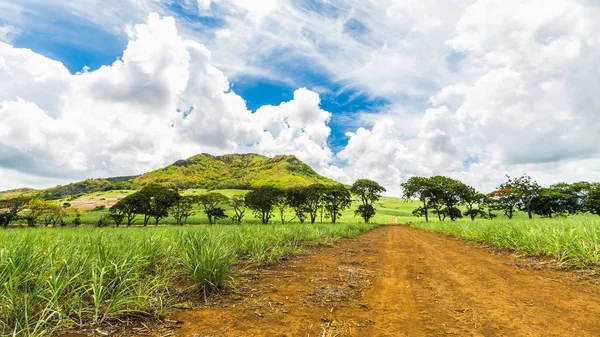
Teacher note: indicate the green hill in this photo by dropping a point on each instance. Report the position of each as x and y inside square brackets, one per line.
[204, 171]
[237, 171]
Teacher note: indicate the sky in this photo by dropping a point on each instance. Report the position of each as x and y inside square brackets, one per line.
[378, 89]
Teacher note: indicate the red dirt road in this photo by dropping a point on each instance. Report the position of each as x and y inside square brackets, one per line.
[398, 281]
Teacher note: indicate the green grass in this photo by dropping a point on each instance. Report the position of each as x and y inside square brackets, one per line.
[387, 208]
[572, 242]
[54, 278]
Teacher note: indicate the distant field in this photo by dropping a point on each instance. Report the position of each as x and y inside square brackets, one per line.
[387, 208]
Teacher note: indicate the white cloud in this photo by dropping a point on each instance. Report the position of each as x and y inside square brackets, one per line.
[8, 33]
[297, 127]
[162, 101]
[477, 88]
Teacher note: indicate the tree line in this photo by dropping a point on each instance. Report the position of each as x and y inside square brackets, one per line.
[444, 197]
[155, 202]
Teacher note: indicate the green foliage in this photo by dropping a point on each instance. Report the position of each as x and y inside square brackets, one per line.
[86, 186]
[297, 199]
[9, 209]
[116, 215]
[34, 209]
[592, 201]
[262, 201]
[572, 242]
[209, 261]
[365, 211]
[238, 171]
[87, 277]
[130, 207]
[238, 203]
[182, 209]
[336, 199]
[314, 200]
[505, 198]
[54, 214]
[210, 202]
[550, 202]
[419, 188]
[17, 193]
[368, 192]
[155, 201]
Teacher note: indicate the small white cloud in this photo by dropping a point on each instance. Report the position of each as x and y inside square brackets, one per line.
[8, 33]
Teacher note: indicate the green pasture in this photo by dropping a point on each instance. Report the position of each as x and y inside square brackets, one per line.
[387, 208]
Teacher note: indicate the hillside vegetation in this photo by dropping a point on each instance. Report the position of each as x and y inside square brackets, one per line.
[237, 171]
[204, 171]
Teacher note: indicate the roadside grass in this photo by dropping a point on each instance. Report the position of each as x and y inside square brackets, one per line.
[58, 278]
[572, 242]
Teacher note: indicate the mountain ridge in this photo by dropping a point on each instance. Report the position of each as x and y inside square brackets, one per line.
[206, 171]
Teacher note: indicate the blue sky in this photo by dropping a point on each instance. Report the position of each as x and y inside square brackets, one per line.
[414, 87]
[78, 43]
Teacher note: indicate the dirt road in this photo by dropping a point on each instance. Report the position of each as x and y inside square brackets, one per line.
[398, 281]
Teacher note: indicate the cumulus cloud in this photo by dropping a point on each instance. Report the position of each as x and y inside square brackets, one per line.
[161, 101]
[297, 127]
[476, 88]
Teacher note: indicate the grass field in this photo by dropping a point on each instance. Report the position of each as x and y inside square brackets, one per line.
[78, 277]
[571, 242]
[387, 208]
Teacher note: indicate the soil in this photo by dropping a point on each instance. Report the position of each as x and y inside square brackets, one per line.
[398, 281]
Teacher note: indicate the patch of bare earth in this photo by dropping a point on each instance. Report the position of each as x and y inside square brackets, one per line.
[398, 281]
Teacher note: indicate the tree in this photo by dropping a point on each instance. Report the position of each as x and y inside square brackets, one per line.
[210, 202]
[282, 205]
[592, 202]
[76, 213]
[576, 194]
[103, 221]
[336, 199]
[238, 203]
[314, 196]
[297, 199]
[474, 202]
[262, 200]
[445, 195]
[550, 202]
[9, 209]
[419, 188]
[130, 206]
[34, 209]
[365, 211]
[117, 215]
[182, 209]
[369, 192]
[505, 198]
[527, 189]
[54, 214]
[156, 201]
[218, 213]
[491, 205]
